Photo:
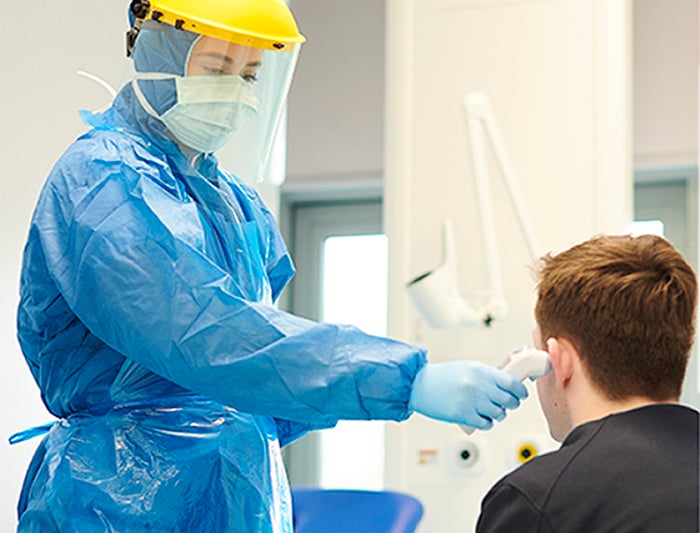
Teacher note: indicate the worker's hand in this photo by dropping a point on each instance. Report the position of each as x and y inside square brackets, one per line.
[466, 393]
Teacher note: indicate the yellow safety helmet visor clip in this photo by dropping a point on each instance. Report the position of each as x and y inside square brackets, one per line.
[264, 24]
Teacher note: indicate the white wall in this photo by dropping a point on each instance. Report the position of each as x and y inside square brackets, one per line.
[336, 103]
[42, 45]
[559, 77]
[665, 83]
[336, 111]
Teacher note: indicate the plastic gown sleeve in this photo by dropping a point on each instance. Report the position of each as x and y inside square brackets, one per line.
[126, 252]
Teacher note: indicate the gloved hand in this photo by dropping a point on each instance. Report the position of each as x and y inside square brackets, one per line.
[465, 392]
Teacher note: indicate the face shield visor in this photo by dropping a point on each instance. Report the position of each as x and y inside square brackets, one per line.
[217, 79]
[247, 89]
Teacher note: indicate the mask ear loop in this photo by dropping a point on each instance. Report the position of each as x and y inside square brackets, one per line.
[142, 97]
[159, 76]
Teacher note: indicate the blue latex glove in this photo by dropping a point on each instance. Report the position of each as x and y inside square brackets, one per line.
[465, 392]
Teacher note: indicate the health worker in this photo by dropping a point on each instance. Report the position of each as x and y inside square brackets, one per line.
[147, 311]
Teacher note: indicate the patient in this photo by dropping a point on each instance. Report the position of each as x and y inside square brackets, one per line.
[617, 316]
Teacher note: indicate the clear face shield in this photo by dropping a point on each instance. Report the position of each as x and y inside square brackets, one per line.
[218, 77]
[244, 90]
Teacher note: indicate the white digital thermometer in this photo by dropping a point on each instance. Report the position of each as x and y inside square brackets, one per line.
[522, 364]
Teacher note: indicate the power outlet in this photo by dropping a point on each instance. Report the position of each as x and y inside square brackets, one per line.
[466, 456]
[524, 447]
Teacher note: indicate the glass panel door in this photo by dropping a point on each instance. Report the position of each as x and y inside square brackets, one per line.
[354, 288]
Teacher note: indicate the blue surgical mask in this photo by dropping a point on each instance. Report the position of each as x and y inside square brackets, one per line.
[208, 110]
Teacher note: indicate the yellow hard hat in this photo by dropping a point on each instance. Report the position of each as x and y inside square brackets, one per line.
[265, 24]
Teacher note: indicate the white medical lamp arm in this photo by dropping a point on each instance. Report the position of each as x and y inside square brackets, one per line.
[478, 103]
[476, 107]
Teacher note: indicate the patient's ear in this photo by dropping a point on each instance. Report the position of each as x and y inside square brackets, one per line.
[562, 357]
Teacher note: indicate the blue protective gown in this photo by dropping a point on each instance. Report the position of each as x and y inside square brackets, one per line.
[147, 321]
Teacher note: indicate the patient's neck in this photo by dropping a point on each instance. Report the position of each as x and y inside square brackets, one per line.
[588, 403]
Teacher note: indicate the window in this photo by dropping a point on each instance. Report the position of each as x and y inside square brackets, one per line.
[647, 227]
[353, 291]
